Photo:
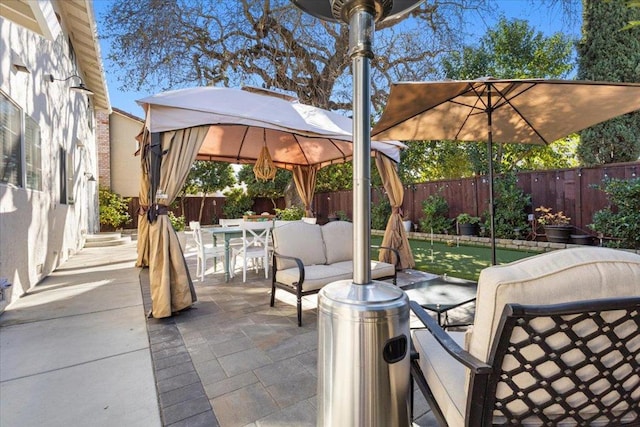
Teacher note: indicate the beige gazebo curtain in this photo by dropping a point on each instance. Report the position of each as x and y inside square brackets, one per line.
[144, 200]
[394, 235]
[305, 179]
[171, 155]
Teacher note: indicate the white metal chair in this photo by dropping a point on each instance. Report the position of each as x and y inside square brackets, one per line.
[255, 246]
[204, 251]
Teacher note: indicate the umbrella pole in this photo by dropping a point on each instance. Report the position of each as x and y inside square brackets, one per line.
[490, 155]
[491, 203]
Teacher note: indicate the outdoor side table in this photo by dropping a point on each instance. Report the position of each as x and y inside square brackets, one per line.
[441, 295]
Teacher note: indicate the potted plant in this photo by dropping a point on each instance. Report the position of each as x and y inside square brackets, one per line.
[556, 225]
[468, 224]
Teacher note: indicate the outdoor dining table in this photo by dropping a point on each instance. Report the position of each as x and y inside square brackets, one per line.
[226, 233]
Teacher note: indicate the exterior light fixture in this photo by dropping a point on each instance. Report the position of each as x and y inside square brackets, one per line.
[89, 177]
[81, 88]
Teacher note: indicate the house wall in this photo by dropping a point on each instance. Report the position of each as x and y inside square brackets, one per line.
[125, 165]
[37, 231]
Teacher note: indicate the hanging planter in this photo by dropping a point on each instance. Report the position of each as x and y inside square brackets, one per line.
[264, 169]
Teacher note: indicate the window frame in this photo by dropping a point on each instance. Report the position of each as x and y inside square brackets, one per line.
[28, 155]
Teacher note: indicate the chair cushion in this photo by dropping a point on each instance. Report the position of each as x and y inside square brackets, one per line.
[560, 276]
[338, 241]
[300, 240]
[446, 376]
[378, 268]
[315, 276]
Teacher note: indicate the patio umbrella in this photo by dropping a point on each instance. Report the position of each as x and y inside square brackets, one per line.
[529, 111]
[231, 125]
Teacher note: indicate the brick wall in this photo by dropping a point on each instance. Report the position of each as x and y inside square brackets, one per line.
[104, 150]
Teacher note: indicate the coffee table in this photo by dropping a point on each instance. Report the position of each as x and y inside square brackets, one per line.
[441, 295]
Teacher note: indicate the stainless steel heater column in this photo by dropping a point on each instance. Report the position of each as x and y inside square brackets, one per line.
[363, 326]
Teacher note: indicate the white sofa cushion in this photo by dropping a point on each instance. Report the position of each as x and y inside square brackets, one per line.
[301, 240]
[560, 276]
[378, 268]
[446, 376]
[338, 241]
[315, 276]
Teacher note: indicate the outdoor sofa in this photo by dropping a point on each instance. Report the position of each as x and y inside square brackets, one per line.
[555, 341]
[308, 256]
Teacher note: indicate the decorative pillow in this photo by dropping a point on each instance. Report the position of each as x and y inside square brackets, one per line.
[338, 241]
[301, 240]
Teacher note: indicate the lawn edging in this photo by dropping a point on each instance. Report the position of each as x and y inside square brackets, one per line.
[515, 244]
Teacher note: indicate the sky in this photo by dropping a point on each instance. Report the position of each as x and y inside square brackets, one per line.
[540, 17]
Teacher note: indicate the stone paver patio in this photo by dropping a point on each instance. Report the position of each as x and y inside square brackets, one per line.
[249, 361]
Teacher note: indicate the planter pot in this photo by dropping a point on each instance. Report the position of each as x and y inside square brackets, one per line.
[581, 239]
[467, 229]
[407, 225]
[558, 233]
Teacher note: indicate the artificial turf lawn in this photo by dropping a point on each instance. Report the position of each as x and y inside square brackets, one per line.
[464, 262]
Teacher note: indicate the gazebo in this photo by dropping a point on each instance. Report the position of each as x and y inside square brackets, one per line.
[250, 126]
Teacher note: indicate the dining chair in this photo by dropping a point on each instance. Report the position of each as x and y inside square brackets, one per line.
[205, 251]
[255, 246]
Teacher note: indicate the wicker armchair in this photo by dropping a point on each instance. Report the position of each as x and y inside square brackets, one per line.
[556, 341]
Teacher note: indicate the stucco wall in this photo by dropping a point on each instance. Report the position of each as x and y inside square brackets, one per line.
[37, 232]
[125, 166]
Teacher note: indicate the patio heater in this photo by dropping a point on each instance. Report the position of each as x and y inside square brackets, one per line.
[363, 326]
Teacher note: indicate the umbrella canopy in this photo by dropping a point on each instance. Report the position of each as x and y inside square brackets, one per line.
[522, 111]
[530, 111]
[243, 121]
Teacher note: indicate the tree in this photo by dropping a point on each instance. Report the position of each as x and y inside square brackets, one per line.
[172, 44]
[208, 177]
[610, 54]
[271, 189]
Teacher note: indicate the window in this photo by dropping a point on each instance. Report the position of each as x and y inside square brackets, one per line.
[33, 154]
[10, 147]
[14, 141]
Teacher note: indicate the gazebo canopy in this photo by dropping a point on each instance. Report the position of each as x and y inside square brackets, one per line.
[241, 122]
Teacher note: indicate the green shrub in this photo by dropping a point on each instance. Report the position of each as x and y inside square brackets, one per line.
[114, 209]
[510, 208]
[380, 213]
[436, 215]
[342, 216]
[621, 219]
[465, 218]
[178, 222]
[292, 213]
[237, 202]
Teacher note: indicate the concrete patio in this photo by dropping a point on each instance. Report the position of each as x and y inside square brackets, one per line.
[230, 360]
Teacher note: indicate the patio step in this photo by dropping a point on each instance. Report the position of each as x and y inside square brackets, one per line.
[106, 239]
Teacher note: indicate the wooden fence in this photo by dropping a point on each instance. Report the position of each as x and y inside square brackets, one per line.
[573, 191]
